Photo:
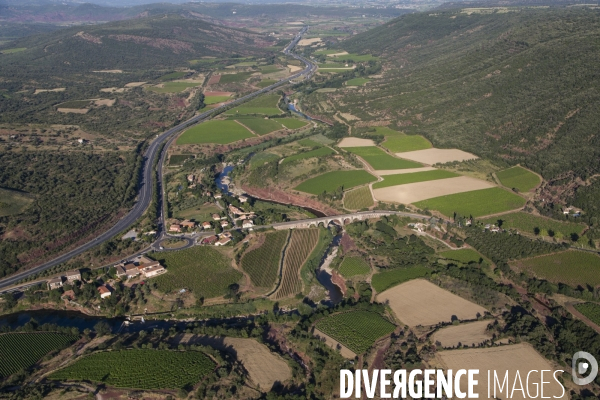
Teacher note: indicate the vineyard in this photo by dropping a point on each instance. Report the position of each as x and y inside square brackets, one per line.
[352, 266]
[262, 264]
[301, 244]
[356, 330]
[22, 350]
[359, 198]
[203, 270]
[590, 310]
[387, 279]
[140, 369]
[462, 255]
[571, 267]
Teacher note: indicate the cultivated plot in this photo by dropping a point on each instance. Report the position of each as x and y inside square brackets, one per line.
[353, 266]
[420, 302]
[262, 263]
[320, 152]
[403, 179]
[404, 143]
[261, 126]
[528, 223]
[220, 132]
[356, 142]
[519, 178]
[433, 156]
[462, 255]
[358, 198]
[331, 181]
[301, 245]
[469, 334]
[379, 159]
[386, 279]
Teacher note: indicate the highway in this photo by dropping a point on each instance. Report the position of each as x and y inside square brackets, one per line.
[146, 182]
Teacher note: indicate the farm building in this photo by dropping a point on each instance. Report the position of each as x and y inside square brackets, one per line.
[128, 270]
[175, 228]
[104, 292]
[154, 271]
[73, 276]
[55, 283]
[143, 267]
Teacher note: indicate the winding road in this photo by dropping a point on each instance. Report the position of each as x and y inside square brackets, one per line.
[146, 181]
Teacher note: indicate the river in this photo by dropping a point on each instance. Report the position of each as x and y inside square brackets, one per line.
[324, 274]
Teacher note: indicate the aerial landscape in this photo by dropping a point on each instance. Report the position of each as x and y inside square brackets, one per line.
[223, 200]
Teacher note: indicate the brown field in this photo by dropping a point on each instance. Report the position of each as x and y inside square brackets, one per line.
[214, 79]
[61, 89]
[420, 302]
[356, 142]
[308, 42]
[264, 367]
[74, 110]
[349, 117]
[294, 68]
[413, 192]
[521, 357]
[343, 53]
[112, 90]
[403, 171]
[469, 334]
[301, 245]
[331, 342]
[110, 71]
[218, 93]
[433, 156]
[134, 84]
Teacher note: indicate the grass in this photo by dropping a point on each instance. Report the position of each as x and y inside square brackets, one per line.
[571, 267]
[221, 132]
[172, 75]
[266, 105]
[261, 126]
[358, 198]
[199, 214]
[519, 178]
[590, 310]
[330, 181]
[387, 279]
[261, 158]
[463, 255]
[357, 330]
[291, 123]
[379, 159]
[173, 87]
[74, 104]
[356, 57]
[308, 143]
[140, 369]
[320, 152]
[357, 81]
[269, 69]
[403, 179]
[178, 159]
[22, 350]
[352, 266]
[385, 131]
[13, 202]
[399, 144]
[15, 50]
[262, 264]
[321, 69]
[475, 203]
[202, 270]
[525, 222]
[208, 100]
[233, 78]
[266, 82]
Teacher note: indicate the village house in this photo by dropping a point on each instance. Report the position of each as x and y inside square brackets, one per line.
[175, 228]
[247, 224]
[128, 270]
[190, 178]
[143, 267]
[206, 225]
[216, 217]
[55, 283]
[224, 224]
[218, 195]
[209, 240]
[73, 276]
[104, 292]
[154, 271]
[243, 199]
[236, 211]
[188, 224]
[223, 241]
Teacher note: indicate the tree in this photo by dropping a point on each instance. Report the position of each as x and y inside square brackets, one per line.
[9, 300]
[102, 328]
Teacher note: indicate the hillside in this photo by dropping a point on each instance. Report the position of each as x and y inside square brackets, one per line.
[514, 87]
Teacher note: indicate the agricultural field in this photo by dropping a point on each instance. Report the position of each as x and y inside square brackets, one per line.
[178, 159]
[403, 179]
[269, 69]
[22, 350]
[357, 82]
[475, 203]
[420, 302]
[265, 104]
[358, 198]
[379, 159]
[330, 181]
[403, 143]
[261, 126]
[199, 214]
[353, 266]
[433, 156]
[357, 330]
[355, 142]
[590, 310]
[521, 357]
[261, 158]
[519, 178]
[301, 245]
[266, 82]
[208, 100]
[320, 152]
[464, 256]
[234, 78]
[202, 270]
[15, 50]
[528, 223]
[262, 264]
[13, 202]
[469, 334]
[571, 267]
[221, 132]
[140, 369]
[172, 75]
[173, 87]
[75, 104]
[387, 279]
[292, 123]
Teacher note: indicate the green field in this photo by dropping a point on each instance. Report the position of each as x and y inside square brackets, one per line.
[74, 104]
[325, 69]
[261, 126]
[202, 270]
[309, 143]
[379, 159]
[233, 78]
[266, 82]
[357, 330]
[330, 181]
[221, 132]
[13, 202]
[265, 104]
[22, 350]
[462, 255]
[519, 178]
[178, 159]
[403, 179]
[357, 81]
[208, 100]
[199, 214]
[525, 222]
[358, 199]
[173, 87]
[292, 123]
[571, 267]
[385, 131]
[262, 264]
[386, 279]
[320, 152]
[355, 57]
[399, 144]
[475, 203]
[140, 369]
[325, 51]
[590, 310]
[352, 266]
[269, 69]
[261, 158]
[172, 75]
[15, 50]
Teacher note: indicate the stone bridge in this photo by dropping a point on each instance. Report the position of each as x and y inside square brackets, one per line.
[344, 219]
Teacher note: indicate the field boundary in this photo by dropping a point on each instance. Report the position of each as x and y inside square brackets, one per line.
[250, 130]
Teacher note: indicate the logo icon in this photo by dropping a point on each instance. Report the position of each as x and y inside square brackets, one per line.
[584, 362]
